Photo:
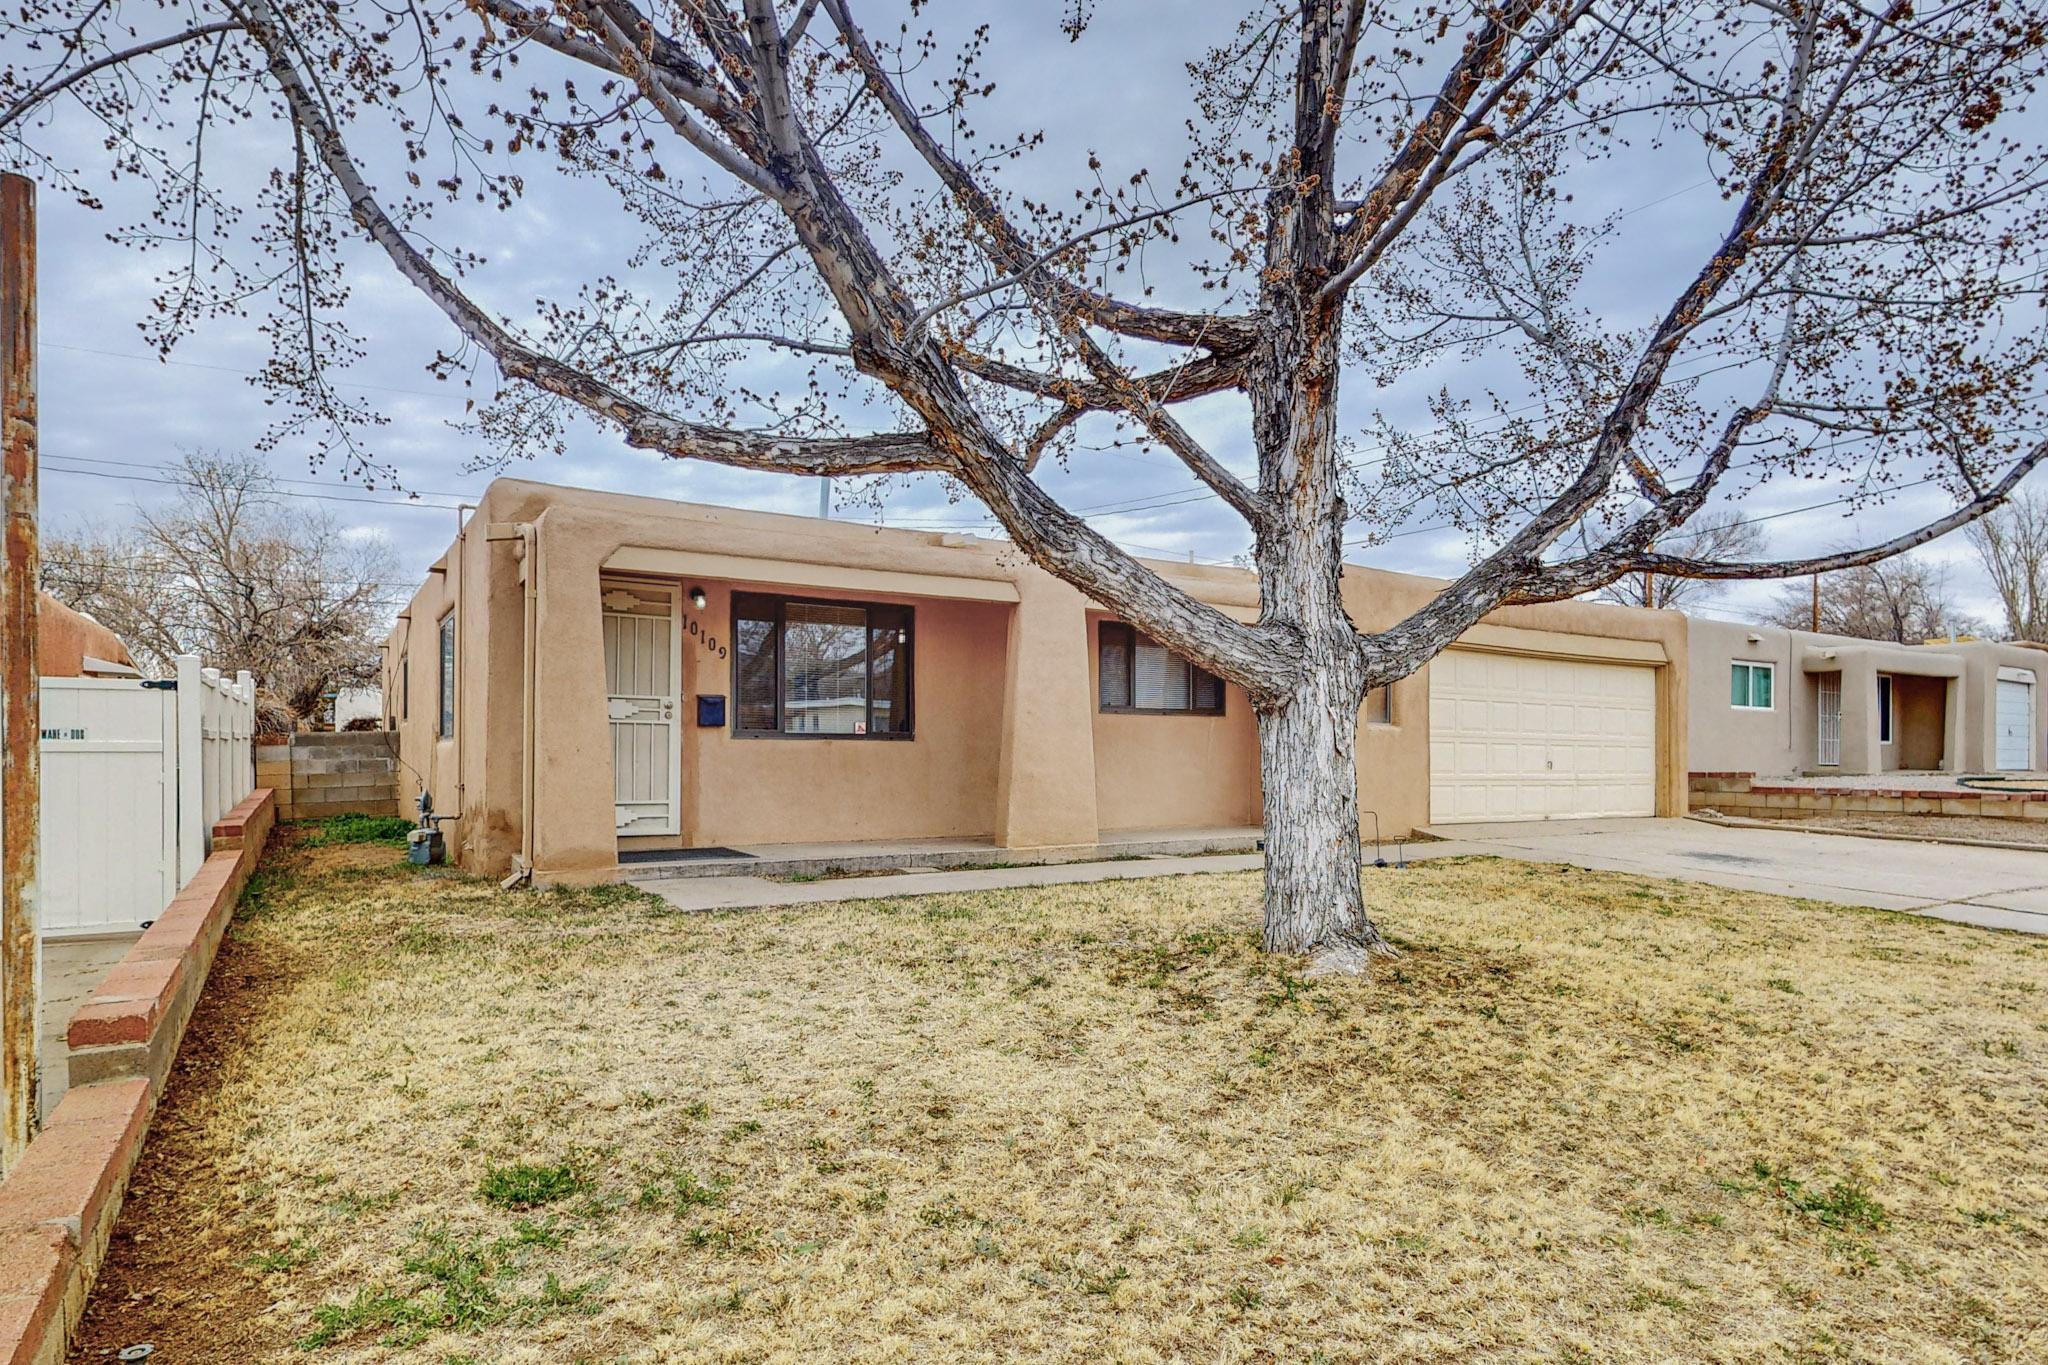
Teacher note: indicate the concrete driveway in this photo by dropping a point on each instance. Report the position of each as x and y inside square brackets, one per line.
[1996, 888]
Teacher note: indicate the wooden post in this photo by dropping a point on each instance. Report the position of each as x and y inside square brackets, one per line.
[1816, 604]
[20, 737]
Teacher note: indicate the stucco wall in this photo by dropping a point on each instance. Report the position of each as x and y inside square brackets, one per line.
[1169, 771]
[1009, 739]
[1724, 739]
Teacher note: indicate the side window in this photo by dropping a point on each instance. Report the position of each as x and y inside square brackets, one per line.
[1379, 706]
[1136, 674]
[447, 728]
[1750, 686]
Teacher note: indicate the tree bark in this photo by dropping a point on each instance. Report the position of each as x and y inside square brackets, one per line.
[1314, 902]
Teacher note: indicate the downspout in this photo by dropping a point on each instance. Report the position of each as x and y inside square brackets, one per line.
[529, 647]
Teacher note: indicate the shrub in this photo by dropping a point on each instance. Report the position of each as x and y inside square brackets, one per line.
[362, 724]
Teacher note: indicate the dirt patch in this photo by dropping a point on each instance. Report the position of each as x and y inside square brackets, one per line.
[176, 1273]
[1971, 827]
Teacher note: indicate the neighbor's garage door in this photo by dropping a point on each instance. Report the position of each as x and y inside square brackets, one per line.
[1513, 737]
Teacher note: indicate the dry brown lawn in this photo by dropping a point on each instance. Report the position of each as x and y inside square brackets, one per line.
[1585, 1117]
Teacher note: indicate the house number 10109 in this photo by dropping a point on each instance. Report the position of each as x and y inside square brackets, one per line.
[707, 639]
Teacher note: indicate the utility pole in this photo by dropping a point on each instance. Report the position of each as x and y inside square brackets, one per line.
[1650, 588]
[1816, 604]
[825, 499]
[20, 737]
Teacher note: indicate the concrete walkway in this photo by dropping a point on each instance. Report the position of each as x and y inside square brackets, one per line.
[1995, 888]
[71, 968]
[739, 893]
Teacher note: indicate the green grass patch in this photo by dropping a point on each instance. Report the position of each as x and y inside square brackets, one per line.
[360, 829]
[523, 1186]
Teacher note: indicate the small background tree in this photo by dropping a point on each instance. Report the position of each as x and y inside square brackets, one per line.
[235, 573]
[1723, 535]
[1904, 600]
[2012, 544]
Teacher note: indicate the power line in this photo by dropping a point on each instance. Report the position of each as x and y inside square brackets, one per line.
[48, 468]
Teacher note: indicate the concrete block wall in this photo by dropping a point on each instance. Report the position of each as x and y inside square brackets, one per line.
[1740, 794]
[317, 775]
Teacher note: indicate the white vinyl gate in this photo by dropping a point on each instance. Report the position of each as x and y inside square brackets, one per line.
[134, 774]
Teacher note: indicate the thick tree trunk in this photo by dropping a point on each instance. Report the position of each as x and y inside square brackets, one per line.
[1314, 903]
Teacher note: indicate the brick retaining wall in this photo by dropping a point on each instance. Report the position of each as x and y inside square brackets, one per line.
[59, 1203]
[339, 773]
[1741, 794]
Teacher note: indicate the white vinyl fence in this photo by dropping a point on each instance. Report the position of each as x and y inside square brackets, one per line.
[135, 773]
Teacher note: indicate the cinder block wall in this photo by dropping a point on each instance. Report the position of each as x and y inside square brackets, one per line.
[317, 775]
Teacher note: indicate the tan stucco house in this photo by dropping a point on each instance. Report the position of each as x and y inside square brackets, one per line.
[1777, 702]
[589, 674]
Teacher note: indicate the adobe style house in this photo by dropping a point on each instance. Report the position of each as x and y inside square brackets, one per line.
[585, 675]
[1779, 702]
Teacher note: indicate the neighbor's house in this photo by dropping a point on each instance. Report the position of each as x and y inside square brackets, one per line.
[586, 674]
[1778, 702]
[70, 644]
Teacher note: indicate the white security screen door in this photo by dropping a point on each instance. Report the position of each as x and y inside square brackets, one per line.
[2015, 722]
[1829, 717]
[643, 666]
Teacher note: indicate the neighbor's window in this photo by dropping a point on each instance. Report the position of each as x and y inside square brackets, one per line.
[1884, 708]
[1379, 706]
[1749, 686]
[448, 676]
[404, 687]
[1136, 674]
[825, 670]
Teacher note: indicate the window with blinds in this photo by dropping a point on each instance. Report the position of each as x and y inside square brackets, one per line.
[820, 670]
[1138, 674]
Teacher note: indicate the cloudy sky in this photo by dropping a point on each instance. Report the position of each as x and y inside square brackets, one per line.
[113, 414]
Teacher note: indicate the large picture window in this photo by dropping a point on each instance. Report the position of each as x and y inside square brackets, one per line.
[1136, 674]
[820, 670]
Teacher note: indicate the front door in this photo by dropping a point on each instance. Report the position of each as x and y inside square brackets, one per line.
[643, 667]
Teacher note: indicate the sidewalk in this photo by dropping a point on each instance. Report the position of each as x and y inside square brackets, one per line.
[741, 893]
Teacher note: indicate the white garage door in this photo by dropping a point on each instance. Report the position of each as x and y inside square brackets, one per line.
[1518, 738]
[2015, 721]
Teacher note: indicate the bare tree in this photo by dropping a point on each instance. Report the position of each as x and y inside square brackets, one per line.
[2012, 542]
[1721, 535]
[234, 573]
[1367, 186]
[1904, 600]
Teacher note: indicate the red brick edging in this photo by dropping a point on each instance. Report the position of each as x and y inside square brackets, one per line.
[58, 1204]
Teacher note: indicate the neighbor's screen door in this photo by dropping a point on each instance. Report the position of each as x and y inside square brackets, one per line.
[642, 682]
[1830, 717]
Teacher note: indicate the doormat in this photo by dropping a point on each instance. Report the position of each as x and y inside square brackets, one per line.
[679, 855]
